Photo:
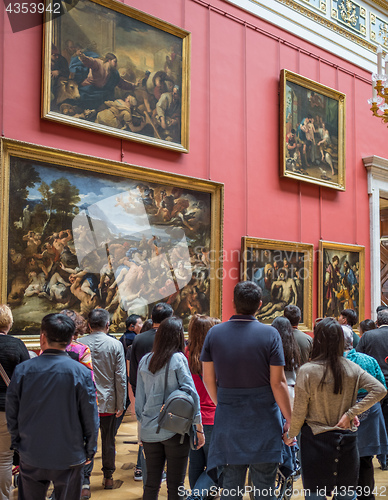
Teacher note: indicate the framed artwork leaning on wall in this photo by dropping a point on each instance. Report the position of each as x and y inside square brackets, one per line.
[80, 232]
[312, 131]
[341, 279]
[115, 70]
[283, 270]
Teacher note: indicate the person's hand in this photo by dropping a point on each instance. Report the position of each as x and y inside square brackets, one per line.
[286, 426]
[87, 462]
[119, 413]
[344, 422]
[201, 440]
[289, 441]
[356, 421]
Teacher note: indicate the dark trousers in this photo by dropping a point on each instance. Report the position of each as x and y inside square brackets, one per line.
[198, 477]
[384, 408]
[34, 482]
[366, 479]
[176, 455]
[108, 450]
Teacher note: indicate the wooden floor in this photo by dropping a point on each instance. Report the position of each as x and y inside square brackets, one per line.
[126, 488]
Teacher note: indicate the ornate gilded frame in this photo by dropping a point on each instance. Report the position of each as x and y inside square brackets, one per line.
[353, 254]
[266, 253]
[305, 162]
[131, 58]
[106, 171]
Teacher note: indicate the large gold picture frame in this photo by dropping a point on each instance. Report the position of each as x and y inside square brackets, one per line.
[115, 70]
[80, 232]
[341, 279]
[284, 271]
[312, 131]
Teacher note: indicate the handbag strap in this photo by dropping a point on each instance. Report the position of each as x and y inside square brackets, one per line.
[4, 375]
[165, 380]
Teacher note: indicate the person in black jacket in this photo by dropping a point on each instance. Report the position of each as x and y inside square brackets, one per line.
[12, 352]
[52, 416]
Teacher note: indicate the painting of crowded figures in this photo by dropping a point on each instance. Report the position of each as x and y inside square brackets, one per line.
[312, 131]
[283, 270]
[79, 238]
[116, 70]
[341, 279]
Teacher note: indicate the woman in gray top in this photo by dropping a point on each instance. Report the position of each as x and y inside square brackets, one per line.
[164, 445]
[324, 410]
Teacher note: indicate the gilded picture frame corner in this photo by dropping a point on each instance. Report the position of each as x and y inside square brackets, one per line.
[313, 154]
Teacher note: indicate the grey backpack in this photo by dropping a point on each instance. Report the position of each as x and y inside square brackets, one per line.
[177, 412]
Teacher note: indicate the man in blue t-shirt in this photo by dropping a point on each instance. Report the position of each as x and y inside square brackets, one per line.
[243, 371]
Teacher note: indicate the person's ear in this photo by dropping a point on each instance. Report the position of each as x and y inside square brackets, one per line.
[261, 303]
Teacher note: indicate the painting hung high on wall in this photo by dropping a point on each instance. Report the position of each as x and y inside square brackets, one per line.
[83, 232]
[283, 270]
[115, 70]
[341, 279]
[312, 131]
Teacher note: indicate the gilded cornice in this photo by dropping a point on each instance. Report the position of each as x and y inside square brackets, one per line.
[323, 21]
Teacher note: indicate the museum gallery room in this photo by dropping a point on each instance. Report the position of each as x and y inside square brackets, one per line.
[164, 151]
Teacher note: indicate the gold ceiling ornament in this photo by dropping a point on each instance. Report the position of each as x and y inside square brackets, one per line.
[348, 12]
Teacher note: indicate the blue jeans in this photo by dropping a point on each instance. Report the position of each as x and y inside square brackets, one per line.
[262, 476]
[200, 482]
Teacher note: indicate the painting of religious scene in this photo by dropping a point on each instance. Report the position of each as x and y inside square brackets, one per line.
[312, 132]
[283, 270]
[341, 279]
[116, 70]
[79, 240]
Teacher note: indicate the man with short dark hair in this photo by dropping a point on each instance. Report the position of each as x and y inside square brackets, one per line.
[349, 317]
[243, 371]
[133, 326]
[52, 416]
[375, 343]
[111, 381]
[143, 343]
[304, 341]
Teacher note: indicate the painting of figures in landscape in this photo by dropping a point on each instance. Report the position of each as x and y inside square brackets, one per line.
[341, 279]
[79, 239]
[283, 271]
[116, 70]
[312, 132]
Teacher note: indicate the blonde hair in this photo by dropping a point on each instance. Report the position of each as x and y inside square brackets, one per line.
[6, 318]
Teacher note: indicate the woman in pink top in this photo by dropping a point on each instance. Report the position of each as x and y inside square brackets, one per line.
[200, 482]
[76, 349]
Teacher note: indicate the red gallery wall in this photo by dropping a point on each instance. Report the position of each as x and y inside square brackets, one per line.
[234, 127]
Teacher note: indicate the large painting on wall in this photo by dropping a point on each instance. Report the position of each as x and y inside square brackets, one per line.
[80, 232]
[115, 70]
[283, 270]
[341, 279]
[312, 131]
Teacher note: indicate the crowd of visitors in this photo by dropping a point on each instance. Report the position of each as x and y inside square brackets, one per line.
[260, 393]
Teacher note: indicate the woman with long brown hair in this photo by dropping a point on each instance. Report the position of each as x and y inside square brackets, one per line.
[198, 327]
[161, 445]
[291, 351]
[324, 410]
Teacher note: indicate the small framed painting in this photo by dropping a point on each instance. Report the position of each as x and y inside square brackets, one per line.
[341, 279]
[312, 131]
[283, 270]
